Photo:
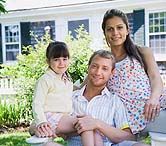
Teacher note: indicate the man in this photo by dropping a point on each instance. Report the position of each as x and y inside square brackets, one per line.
[106, 113]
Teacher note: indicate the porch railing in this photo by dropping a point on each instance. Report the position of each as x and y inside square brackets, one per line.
[6, 86]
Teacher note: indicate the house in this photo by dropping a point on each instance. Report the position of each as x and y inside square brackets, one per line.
[147, 20]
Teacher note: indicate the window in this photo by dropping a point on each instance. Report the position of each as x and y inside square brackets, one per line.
[73, 25]
[157, 32]
[12, 40]
[38, 28]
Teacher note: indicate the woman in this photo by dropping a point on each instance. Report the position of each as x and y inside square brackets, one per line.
[136, 78]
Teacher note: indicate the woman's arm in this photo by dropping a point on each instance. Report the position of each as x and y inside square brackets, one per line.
[156, 84]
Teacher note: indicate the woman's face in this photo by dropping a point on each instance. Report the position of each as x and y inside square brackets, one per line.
[116, 31]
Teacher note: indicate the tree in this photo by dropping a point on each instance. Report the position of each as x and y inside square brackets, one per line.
[2, 8]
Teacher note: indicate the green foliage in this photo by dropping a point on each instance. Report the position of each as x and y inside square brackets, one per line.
[146, 140]
[60, 141]
[80, 53]
[32, 65]
[10, 114]
[2, 8]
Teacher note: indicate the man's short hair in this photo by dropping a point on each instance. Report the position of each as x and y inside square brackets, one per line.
[104, 54]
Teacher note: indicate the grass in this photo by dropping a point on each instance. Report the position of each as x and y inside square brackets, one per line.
[14, 139]
[146, 140]
[18, 139]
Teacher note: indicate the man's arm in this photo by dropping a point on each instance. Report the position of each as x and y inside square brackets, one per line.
[116, 135]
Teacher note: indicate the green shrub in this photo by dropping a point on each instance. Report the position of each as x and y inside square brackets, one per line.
[80, 53]
[10, 113]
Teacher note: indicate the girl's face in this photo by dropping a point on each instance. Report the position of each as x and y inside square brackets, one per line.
[116, 31]
[59, 65]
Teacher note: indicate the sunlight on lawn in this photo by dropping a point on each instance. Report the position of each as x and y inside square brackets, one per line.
[14, 139]
[18, 139]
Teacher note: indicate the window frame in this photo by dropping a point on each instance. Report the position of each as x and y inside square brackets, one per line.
[158, 56]
[10, 43]
[78, 19]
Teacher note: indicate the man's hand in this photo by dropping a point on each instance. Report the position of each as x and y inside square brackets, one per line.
[44, 130]
[85, 123]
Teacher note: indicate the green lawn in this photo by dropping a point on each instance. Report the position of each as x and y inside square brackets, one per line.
[18, 139]
[146, 140]
[14, 139]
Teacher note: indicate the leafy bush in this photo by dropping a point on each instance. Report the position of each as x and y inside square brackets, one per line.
[32, 65]
[10, 114]
[80, 53]
[2, 8]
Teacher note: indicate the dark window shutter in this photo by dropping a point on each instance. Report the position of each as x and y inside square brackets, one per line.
[139, 19]
[25, 34]
[1, 53]
[139, 26]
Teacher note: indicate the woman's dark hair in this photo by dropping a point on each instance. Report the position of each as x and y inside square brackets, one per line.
[131, 49]
[57, 49]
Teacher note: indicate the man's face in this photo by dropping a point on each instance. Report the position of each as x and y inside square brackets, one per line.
[99, 71]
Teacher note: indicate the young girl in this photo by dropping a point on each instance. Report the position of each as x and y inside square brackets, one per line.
[52, 98]
[136, 78]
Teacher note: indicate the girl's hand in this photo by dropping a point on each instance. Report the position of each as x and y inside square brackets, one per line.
[152, 109]
[85, 123]
[44, 130]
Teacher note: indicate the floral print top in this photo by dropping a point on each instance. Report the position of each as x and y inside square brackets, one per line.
[131, 83]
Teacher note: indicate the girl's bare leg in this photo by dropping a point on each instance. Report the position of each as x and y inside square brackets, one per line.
[98, 139]
[65, 126]
[87, 138]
